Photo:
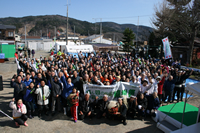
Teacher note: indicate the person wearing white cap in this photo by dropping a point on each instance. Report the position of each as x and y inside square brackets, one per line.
[102, 106]
[132, 105]
[145, 86]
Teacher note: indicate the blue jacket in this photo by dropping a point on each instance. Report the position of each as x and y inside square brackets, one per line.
[27, 83]
[153, 103]
[67, 88]
[28, 96]
[169, 85]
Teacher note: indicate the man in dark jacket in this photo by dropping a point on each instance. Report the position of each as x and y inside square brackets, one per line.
[102, 106]
[179, 85]
[18, 88]
[86, 107]
[76, 81]
[142, 105]
[56, 89]
[132, 104]
[121, 114]
[169, 87]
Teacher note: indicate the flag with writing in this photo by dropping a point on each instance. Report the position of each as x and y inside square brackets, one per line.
[167, 48]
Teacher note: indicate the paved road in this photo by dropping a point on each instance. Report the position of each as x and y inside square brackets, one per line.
[60, 123]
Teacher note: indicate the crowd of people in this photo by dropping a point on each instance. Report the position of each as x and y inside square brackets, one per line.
[55, 85]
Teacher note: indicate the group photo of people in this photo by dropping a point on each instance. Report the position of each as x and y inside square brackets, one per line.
[54, 84]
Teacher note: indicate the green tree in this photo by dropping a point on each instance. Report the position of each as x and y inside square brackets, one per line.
[128, 38]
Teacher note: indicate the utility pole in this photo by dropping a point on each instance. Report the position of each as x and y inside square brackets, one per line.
[55, 31]
[47, 33]
[94, 26]
[100, 29]
[41, 32]
[67, 26]
[114, 38]
[25, 35]
[137, 32]
[74, 33]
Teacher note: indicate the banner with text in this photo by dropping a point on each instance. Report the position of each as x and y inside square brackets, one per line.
[113, 91]
[167, 48]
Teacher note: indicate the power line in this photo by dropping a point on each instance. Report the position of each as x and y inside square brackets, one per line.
[125, 17]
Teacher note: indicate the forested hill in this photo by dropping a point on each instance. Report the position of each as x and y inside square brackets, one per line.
[36, 25]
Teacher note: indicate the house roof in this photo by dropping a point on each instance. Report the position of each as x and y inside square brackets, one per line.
[92, 37]
[103, 45]
[4, 27]
[31, 37]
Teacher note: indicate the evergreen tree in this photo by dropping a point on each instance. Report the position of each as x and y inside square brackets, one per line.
[128, 38]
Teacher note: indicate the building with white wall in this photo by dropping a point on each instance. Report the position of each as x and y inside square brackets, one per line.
[97, 39]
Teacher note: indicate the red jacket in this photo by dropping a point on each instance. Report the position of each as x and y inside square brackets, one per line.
[160, 85]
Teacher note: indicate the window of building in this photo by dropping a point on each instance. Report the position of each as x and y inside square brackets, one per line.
[10, 34]
[0, 32]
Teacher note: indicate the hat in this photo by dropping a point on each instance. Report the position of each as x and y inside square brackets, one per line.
[120, 98]
[158, 77]
[180, 71]
[132, 96]
[118, 77]
[105, 95]
[144, 81]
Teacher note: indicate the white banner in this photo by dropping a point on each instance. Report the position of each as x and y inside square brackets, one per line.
[113, 91]
[167, 48]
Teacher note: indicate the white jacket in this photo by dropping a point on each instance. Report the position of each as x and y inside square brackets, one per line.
[19, 112]
[154, 88]
[40, 95]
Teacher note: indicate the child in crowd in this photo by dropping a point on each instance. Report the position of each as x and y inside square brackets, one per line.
[74, 102]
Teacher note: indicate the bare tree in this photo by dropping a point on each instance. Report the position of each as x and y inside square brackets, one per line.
[179, 19]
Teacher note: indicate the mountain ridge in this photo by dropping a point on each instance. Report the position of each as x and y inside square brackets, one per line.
[38, 25]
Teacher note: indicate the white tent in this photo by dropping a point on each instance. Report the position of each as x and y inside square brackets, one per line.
[78, 48]
[62, 46]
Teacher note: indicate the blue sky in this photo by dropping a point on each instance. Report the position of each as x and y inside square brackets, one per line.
[119, 11]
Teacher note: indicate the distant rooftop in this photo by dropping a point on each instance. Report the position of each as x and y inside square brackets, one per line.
[92, 37]
[31, 37]
[4, 27]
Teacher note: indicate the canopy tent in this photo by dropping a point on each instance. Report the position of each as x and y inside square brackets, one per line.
[62, 46]
[78, 48]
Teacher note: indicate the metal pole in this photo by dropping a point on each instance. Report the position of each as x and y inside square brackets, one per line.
[67, 26]
[137, 32]
[184, 109]
[100, 29]
[25, 35]
[55, 31]
[41, 32]
[74, 33]
[47, 33]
